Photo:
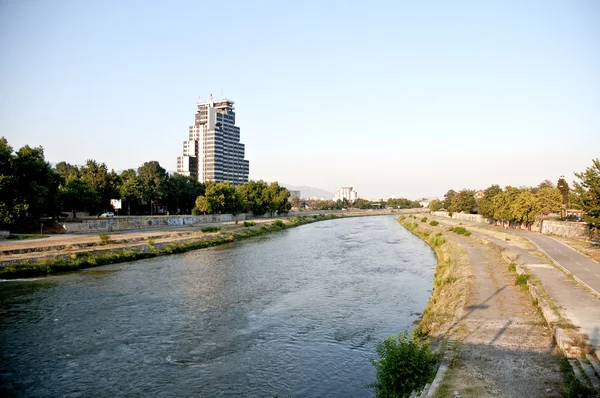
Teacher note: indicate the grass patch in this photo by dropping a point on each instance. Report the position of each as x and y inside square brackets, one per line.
[434, 223]
[460, 231]
[573, 387]
[150, 244]
[278, 223]
[210, 229]
[521, 280]
[26, 236]
[512, 267]
[249, 224]
[424, 219]
[405, 364]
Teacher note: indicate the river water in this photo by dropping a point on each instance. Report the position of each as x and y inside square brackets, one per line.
[294, 313]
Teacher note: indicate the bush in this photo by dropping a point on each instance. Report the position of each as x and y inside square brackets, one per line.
[249, 223]
[278, 223]
[104, 238]
[434, 223]
[210, 229]
[424, 219]
[404, 365]
[150, 243]
[196, 212]
[512, 267]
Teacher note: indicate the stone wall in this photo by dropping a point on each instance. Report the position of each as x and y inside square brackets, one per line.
[559, 228]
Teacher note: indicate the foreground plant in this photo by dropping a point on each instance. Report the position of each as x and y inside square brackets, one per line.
[405, 364]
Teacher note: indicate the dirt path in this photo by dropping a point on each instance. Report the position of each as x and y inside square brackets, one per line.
[505, 349]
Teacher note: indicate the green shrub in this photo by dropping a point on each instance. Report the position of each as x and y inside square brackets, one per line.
[196, 212]
[512, 267]
[104, 238]
[150, 243]
[424, 219]
[434, 223]
[210, 229]
[314, 216]
[278, 223]
[404, 365]
[460, 231]
[521, 280]
[249, 223]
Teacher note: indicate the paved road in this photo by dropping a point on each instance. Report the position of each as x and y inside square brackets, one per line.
[582, 267]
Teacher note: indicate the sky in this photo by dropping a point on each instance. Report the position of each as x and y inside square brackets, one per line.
[398, 98]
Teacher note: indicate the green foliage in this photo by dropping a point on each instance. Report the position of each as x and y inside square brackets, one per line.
[573, 387]
[210, 229]
[434, 223]
[563, 187]
[104, 238]
[521, 280]
[463, 201]
[424, 219]
[448, 197]
[278, 223]
[196, 212]
[404, 365]
[512, 267]
[202, 205]
[152, 179]
[460, 231]
[249, 223]
[402, 203]
[436, 205]
[150, 243]
[588, 192]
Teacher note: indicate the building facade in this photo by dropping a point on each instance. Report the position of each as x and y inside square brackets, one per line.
[213, 151]
[345, 193]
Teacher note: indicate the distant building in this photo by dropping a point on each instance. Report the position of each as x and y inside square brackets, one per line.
[345, 193]
[213, 151]
[424, 203]
[479, 194]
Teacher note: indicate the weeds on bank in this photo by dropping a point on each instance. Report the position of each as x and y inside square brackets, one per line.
[424, 219]
[210, 229]
[573, 387]
[512, 267]
[434, 223]
[521, 280]
[249, 224]
[104, 238]
[405, 364]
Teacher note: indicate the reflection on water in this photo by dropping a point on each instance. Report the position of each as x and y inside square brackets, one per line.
[291, 313]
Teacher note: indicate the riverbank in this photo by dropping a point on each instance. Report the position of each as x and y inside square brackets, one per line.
[107, 252]
[480, 308]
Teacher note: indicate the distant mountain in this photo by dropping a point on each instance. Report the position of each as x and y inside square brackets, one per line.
[308, 192]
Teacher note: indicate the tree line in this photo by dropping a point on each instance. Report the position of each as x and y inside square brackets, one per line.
[31, 188]
[526, 205]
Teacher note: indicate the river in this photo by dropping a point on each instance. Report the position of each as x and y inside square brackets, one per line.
[293, 313]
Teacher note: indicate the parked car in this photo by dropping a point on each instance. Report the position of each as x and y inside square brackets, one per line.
[107, 214]
[574, 217]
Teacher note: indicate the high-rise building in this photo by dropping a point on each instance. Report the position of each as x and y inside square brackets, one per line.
[345, 193]
[213, 151]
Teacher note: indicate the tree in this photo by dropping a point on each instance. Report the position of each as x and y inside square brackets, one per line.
[502, 204]
[436, 205]
[11, 209]
[97, 176]
[253, 197]
[485, 205]
[130, 189]
[464, 201]
[77, 194]
[588, 191]
[564, 189]
[362, 204]
[152, 179]
[203, 205]
[525, 208]
[65, 169]
[223, 198]
[448, 198]
[549, 200]
[36, 183]
[276, 198]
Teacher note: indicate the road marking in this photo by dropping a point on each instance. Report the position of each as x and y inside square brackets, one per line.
[587, 269]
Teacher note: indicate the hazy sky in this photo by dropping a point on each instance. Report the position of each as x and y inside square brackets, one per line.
[394, 98]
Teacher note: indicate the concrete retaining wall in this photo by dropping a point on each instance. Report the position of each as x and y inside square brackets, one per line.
[4, 234]
[127, 223]
[559, 228]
